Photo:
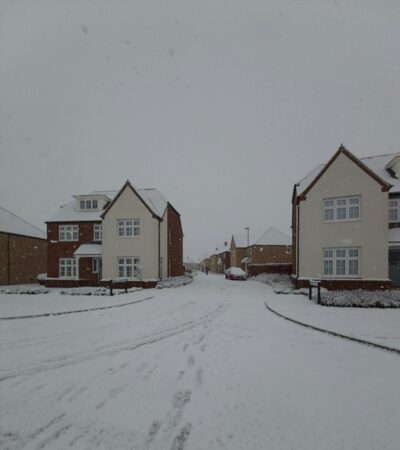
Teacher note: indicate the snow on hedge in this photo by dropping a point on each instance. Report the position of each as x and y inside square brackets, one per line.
[362, 299]
[29, 290]
[95, 291]
[175, 281]
[281, 284]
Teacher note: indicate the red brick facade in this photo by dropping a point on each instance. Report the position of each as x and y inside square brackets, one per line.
[254, 270]
[175, 243]
[57, 249]
[22, 258]
[347, 285]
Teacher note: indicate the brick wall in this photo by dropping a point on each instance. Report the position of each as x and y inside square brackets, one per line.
[267, 254]
[254, 270]
[237, 254]
[175, 244]
[66, 249]
[3, 259]
[22, 258]
[347, 285]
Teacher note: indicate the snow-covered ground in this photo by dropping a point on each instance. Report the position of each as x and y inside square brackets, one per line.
[204, 367]
[373, 324]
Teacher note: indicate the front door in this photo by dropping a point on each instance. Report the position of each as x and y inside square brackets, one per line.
[394, 266]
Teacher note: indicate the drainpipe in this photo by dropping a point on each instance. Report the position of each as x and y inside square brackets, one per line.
[297, 239]
[159, 250]
[8, 259]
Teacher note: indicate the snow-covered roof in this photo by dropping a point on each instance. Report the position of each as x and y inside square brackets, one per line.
[88, 250]
[240, 240]
[10, 223]
[273, 237]
[376, 163]
[152, 197]
[154, 200]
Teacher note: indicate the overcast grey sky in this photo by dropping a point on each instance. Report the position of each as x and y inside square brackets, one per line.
[221, 105]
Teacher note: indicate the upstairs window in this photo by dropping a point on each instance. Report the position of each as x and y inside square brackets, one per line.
[68, 233]
[341, 262]
[394, 210]
[90, 204]
[97, 232]
[344, 208]
[127, 228]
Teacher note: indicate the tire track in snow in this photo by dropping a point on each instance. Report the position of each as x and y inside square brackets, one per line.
[64, 361]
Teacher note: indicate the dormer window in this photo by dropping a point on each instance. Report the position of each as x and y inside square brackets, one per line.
[90, 204]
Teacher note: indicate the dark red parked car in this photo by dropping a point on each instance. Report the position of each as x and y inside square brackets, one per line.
[235, 273]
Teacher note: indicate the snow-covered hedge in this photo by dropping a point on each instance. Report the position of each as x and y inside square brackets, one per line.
[175, 281]
[27, 290]
[95, 291]
[362, 299]
[280, 283]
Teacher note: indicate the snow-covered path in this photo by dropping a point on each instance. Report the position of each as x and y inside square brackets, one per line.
[204, 366]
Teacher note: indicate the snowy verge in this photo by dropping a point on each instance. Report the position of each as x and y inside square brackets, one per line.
[175, 281]
[372, 324]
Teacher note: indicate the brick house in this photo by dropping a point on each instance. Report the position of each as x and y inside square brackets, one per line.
[271, 253]
[131, 236]
[238, 250]
[220, 261]
[346, 222]
[23, 250]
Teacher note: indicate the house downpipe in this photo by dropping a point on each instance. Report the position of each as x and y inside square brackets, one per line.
[159, 250]
[297, 238]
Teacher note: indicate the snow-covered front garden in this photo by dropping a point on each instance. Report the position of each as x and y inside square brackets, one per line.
[282, 284]
[201, 366]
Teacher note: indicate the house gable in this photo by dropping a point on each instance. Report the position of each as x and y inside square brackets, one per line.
[341, 151]
[128, 185]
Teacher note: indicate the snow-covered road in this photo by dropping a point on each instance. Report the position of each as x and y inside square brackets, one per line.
[204, 366]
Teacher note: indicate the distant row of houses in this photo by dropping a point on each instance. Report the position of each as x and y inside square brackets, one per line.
[345, 228]
[271, 252]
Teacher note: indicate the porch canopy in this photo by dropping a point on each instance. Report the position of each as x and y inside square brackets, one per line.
[88, 250]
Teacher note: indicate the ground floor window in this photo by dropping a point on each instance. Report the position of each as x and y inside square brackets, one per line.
[128, 267]
[341, 262]
[67, 267]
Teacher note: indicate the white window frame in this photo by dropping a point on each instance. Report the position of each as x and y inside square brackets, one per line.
[128, 267]
[88, 204]
[335, 258]
[68, 232]
[394, 210]
[97, 232]
[340, 205]
[128, 228]
[66, 265]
